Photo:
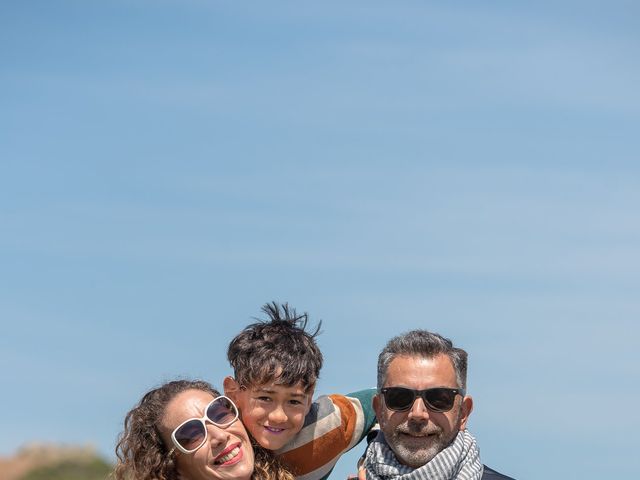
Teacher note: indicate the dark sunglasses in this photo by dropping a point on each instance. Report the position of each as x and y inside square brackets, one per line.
[438, 399]
[191, 434]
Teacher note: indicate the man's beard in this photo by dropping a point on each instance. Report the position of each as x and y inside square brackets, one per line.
[416, 443]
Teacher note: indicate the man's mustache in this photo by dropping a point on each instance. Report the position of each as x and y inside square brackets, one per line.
[418, 428]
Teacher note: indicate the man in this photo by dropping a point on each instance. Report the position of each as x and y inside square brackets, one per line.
[423, 409]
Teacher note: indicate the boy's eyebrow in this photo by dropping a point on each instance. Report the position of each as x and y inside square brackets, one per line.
[267, 390]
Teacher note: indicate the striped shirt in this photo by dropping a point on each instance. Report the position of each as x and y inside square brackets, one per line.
[335, 424]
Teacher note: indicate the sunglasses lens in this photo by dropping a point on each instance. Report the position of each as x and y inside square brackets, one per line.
[222, 411]
[440, 399]
[397, 398]
[191, 435]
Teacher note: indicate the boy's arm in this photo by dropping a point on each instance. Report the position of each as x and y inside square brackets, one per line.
[335, 424]
[365, 398]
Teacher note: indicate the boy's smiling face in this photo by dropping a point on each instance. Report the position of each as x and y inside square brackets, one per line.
[273, 413]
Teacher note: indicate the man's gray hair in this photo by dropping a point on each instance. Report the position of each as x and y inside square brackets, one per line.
[421, 343]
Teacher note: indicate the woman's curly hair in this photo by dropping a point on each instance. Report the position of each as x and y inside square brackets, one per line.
[142, 455]
[267, 466]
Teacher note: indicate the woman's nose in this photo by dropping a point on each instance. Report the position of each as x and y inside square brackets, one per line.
[217, 436]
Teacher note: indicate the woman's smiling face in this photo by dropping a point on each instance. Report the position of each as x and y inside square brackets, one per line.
[226, 454]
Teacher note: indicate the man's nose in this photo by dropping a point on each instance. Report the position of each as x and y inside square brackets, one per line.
[419, 410]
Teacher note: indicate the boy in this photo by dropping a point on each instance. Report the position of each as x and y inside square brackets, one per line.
[276, 365]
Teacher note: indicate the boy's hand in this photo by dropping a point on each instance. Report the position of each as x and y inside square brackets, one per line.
[362, 474]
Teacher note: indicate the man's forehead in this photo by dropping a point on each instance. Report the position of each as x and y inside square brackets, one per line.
[415, 370]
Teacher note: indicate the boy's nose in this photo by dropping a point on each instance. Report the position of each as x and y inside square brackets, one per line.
[277, 415]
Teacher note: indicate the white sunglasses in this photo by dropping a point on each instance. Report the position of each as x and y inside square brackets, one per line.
[191, 434]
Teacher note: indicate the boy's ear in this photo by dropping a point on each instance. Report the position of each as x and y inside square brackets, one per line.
[231, 387]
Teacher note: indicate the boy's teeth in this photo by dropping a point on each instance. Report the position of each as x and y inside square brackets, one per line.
[229, 455]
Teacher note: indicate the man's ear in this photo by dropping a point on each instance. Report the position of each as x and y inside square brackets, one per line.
[377, 406]
[231, 388]
[465, 411]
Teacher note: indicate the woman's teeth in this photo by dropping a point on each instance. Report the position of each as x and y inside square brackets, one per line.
[225, 458]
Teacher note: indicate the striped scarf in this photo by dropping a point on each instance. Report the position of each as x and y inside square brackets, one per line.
[459, 461]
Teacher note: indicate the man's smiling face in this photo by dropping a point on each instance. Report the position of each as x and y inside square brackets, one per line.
[418, 434]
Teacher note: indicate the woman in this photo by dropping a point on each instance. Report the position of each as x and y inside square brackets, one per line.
[185, 430]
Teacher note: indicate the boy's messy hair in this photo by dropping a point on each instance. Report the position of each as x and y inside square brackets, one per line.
[276, 349]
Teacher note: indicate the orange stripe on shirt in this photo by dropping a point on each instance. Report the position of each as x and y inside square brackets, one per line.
[321, 451]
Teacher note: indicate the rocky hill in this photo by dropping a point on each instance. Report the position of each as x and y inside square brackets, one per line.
[54, 462]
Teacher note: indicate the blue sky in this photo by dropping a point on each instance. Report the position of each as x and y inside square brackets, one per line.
[168, 167]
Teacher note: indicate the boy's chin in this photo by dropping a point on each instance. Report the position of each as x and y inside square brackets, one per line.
[272, 441]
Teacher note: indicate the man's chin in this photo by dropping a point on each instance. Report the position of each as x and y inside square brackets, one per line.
[416, 451]
[415, 459]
